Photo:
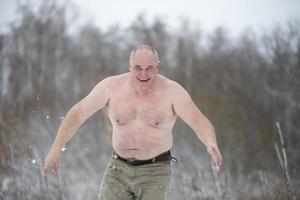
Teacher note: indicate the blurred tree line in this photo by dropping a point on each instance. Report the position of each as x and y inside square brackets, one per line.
[243, 84]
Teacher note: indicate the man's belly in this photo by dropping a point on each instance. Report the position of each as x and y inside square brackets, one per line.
[142, 143]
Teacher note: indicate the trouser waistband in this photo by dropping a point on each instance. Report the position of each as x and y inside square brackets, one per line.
[166, 156]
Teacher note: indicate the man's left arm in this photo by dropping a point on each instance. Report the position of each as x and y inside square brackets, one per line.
[186, 109]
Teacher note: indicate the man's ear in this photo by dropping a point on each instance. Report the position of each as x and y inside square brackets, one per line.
[129, 67]
[157, 66]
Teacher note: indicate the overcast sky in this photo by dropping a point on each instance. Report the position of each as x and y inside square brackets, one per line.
[236, 15]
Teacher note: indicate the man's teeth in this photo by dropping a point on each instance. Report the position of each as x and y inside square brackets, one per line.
[144, 80]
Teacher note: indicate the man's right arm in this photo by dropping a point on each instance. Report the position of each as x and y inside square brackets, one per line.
[77, 115]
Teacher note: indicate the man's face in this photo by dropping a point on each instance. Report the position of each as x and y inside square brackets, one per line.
[143, 67]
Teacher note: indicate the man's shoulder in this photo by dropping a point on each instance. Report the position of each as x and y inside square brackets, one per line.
[169, 83]
[115, 79]
[174, 89]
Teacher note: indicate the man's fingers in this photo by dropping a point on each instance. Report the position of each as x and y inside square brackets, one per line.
[214, 166]
[55, 171]
[52, 168]
[56, 168]
[220, 159]
[217, 157]
[44, 171]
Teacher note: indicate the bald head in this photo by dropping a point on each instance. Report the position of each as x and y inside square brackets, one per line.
[144, 49]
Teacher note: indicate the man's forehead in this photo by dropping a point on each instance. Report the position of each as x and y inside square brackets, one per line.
[143, 52]
[143, 56]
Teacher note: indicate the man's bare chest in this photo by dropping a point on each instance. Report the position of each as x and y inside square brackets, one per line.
[152, 109]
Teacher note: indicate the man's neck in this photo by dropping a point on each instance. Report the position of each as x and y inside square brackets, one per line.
[142, 89]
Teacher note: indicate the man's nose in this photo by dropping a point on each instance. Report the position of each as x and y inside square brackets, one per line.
[144, 74]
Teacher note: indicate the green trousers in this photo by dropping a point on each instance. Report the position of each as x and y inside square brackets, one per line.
[144, 182]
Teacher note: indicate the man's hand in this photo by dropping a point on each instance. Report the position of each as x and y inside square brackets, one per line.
[51, 162]
[215, 154]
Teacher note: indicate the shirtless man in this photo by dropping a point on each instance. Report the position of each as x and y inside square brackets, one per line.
[142, 107]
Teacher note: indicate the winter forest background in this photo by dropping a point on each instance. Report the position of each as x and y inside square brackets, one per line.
[247, 86]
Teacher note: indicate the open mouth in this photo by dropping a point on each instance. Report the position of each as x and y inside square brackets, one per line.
[143, 80]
